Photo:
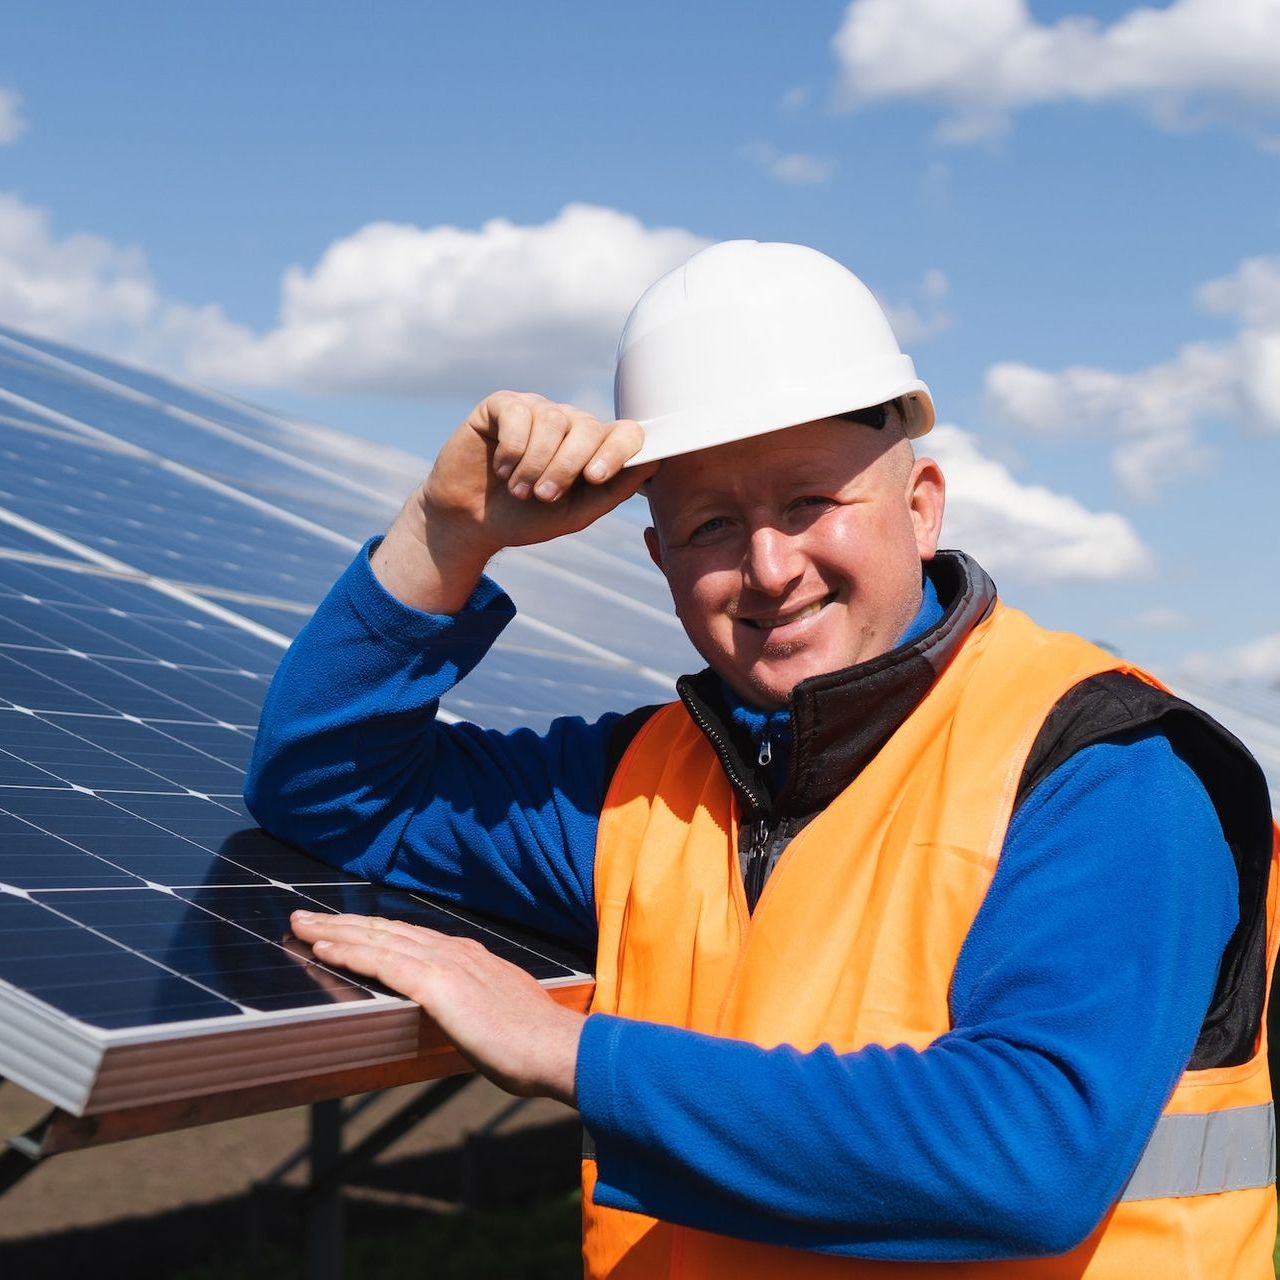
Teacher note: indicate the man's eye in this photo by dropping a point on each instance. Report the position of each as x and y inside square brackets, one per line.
[708, 529]
[811, 502]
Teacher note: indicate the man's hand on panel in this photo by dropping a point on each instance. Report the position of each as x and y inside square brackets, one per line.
[495, 1014]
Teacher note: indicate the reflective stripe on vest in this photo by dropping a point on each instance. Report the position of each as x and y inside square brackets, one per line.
[1188, 1155]
[1200, 1155]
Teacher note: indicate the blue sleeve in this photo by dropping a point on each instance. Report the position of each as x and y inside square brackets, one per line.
[352, 764]
[1076, 1003]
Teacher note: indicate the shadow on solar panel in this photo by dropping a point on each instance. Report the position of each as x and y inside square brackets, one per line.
[139, 967]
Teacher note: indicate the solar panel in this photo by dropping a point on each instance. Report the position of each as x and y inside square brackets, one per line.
[159, 545]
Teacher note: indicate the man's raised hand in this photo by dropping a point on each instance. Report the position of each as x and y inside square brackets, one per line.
[525, 469]
[521, 469]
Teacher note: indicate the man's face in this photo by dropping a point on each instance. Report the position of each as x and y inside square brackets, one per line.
[795, 553]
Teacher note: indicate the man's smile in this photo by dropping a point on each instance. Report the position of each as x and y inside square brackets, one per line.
[770, 622]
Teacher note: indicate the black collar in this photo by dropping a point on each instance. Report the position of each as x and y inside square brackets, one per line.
[841, 719]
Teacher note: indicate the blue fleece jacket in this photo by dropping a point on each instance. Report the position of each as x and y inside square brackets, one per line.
[1075, 1003]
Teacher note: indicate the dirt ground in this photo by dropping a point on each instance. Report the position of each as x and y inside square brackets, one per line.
[152, 1206]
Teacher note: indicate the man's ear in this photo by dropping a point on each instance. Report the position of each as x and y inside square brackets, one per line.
[926, 497]
[654, 547]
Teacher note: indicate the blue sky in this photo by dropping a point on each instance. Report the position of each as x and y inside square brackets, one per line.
[372, 216]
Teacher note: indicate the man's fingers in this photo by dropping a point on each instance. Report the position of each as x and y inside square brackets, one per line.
[394, 935]
[510, 421]
[403, 972]
[542, 448]
[579, 446]
[622, 440]
[549, 427]
[587, 449]
[408, 958]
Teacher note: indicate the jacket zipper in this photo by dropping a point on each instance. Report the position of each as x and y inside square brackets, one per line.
[754, 802]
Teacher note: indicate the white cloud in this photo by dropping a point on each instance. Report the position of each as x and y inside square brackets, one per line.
[12, 123]
[84, 288]
[406, 310]
[1027, 530]
[1259, 660]
[1155, 414]
[1252, 294]
[916, 324]
[795, 99]
[796, 167]
[983, 60]
[388, 310]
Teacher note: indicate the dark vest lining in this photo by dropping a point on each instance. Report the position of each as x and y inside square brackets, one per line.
[1110, 707]
[621, 737]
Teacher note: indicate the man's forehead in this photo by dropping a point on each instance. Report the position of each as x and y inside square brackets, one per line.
[820, 451]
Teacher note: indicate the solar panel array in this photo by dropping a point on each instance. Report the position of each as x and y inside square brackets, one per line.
[159, 545]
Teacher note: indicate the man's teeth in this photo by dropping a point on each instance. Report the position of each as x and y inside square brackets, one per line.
[768, 624]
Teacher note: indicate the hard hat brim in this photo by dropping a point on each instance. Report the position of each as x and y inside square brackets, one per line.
[691, 431]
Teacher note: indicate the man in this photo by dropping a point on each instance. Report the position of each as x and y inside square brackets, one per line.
[923, 935]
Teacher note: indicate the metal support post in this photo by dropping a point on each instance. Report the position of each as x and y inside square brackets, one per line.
[390, 1130]
[24, 1151]
[324, 1226]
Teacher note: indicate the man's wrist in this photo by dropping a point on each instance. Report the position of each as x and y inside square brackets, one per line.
[428, 561]
[561, 1048]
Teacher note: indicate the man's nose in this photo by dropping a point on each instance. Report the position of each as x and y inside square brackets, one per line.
[774, 560]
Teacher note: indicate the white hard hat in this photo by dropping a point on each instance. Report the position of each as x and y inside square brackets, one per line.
[746, 338]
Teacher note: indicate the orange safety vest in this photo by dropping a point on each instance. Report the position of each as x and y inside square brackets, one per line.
[914, 841]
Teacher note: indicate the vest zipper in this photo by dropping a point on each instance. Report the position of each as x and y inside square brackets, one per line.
[757, 859]
[756, 823]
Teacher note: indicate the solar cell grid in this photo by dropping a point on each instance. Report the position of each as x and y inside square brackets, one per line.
[51, 681]
[155, 956]
[73, 680]
[352, 518]
[114, 633]
[170, 840]
[42, 750]
[61, 581]
[160, 523]
[160, 952]
[13, 538]
[378, 467]
[521, 687]
[282, 617]
[27, 348]
[640, 633]
[23, 416]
